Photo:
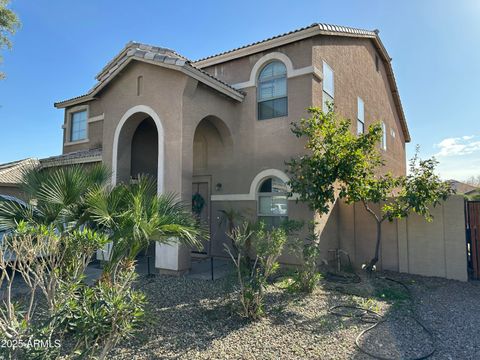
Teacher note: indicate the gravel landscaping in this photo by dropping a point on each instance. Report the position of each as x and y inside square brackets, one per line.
[196, 319]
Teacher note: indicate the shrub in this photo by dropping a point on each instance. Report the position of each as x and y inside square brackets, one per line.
[98, 317]
[58, 304]
[307, 276]
[252, 275]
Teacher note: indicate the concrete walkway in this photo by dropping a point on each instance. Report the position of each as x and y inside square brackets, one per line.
[201, 268]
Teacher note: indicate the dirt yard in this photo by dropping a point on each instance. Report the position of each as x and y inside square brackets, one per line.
[196, 319]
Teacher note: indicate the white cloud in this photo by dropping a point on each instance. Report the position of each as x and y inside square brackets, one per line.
[458, 157]
[458, 146]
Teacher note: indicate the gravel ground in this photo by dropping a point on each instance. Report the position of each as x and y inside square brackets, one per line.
[195, 319]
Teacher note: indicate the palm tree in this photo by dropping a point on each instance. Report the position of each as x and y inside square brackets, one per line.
[76, 197]
[133, 215]
[55, 197]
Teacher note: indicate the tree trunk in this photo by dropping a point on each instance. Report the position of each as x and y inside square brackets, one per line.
[374, 261]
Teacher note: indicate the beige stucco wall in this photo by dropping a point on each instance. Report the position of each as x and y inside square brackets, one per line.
[182, 103]
[411, 245]
[353, 64]
[238, 146]
[355, 75]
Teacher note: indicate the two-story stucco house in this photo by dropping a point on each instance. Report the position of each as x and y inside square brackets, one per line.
[219, 127]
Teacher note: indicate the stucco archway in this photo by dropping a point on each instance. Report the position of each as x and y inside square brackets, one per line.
[122, 144]
[212, 153]
[212, 145]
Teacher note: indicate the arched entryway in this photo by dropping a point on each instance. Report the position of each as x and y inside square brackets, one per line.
[138, 150]
[144, 150]
[212, 151]
[138, 147]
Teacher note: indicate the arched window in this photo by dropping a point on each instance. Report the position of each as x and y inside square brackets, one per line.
[272, 91]
[272, 201]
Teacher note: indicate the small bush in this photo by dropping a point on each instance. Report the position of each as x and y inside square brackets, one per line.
[307, 276]
[252, 275]
[98, 317]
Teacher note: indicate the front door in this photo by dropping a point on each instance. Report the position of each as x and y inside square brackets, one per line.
[201, 209]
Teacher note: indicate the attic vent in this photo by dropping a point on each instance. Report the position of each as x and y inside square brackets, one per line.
[377, 62]
[139, 85]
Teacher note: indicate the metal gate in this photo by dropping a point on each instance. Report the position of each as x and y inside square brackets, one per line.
[472, 222]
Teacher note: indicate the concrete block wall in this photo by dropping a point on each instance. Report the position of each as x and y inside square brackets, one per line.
[411, 245]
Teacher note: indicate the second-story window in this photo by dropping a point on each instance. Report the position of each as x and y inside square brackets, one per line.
[384, 136]
[360, 116]
[78, 129]
[272, 91]
[328, 87]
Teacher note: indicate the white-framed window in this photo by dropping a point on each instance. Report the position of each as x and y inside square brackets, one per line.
[360, 116]
[328, 87]
[384, 136]
[272, 96]
[392, 133]
[272, 202]
[78, 125]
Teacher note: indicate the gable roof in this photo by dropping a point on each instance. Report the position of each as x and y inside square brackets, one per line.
[12, 173]
[310, 31]
[153, 55]
[170, 59]
[462, 188]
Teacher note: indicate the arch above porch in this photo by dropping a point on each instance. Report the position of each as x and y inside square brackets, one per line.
[129, 115]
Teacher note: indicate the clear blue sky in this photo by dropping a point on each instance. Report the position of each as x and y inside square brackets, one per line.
[435, 46]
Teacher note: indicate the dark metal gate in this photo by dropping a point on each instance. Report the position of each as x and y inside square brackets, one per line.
[472, 222]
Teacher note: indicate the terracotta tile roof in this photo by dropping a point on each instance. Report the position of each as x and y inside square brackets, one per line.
[156, 55]
[171, 58]
[320, 26]
[12, 172]
[76, 157]
[314, 30]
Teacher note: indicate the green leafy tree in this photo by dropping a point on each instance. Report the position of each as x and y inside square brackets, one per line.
[340, 164]
[333, 153]
[9, 24]
[399, 196]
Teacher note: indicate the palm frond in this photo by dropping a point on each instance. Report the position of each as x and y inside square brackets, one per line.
[32, 179]
[98, 175]
[12, 212]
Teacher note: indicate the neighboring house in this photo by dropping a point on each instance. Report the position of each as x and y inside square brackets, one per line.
[11, 175]
[461, 188]
[219, 127]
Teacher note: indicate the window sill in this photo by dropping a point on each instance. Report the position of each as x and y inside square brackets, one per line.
[68, 143]
[274, 118]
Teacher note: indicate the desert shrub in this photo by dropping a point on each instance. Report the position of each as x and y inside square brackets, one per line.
[58, 307]
[45, 260]
[96, 318]
[252, 276]
[307, 275]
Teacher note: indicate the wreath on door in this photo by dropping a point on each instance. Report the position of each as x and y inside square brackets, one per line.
[198, 202]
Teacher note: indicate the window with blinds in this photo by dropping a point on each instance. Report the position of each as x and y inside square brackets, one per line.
[272, 91]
